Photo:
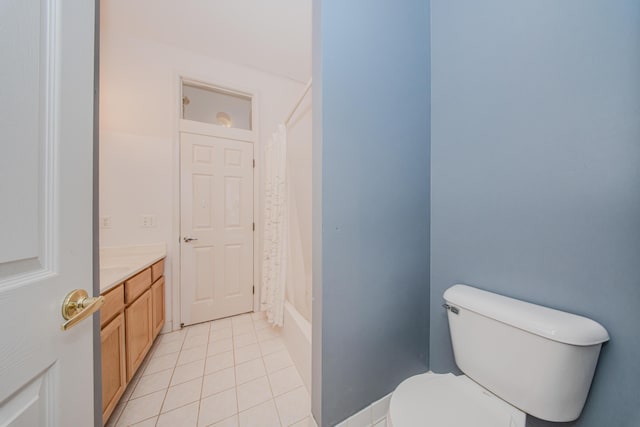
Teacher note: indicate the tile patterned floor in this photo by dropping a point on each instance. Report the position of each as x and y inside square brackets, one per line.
[233, 372]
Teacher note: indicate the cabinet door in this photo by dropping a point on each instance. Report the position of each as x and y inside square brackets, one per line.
[139, 329]
[157, 297]
[114, 380]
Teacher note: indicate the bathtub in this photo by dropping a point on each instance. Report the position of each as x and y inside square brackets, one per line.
[296, 333]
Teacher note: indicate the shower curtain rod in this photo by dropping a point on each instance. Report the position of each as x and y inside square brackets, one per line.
[295, 107]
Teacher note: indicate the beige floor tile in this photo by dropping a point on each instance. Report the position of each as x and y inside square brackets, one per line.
[293, 406]
[241, 319]
[218, 334]
[113, 419]
[141, 408]
[151, 422]
[192, 354]
[217, 373]
[285, 380]
[152, 383]
[271, 346]
[267, 334]
[167, 348]
[186, 416]
[360, 419]
[278, 360]
[229, 422]
[243, 328]
[221, 324]
[253, 393]
[182, 394]
[173, 336]
[218, 381]
[161, 363]
[220, 346]
[130, 388]
[219, 361]
[217, 407]
[245, 339]
[175, 346]
[260, 324]
[143, 366]
[140, 371]
[306, 422]
[188, 372]
[195, 341]
[199, 329]
[244, 354]
[250, 370]
[263, 415]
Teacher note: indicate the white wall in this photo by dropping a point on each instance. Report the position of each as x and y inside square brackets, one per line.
[139, 108]
[273, 36]
[299, 163]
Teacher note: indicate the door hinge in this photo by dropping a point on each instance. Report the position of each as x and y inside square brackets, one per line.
[253, 290]
[254, 163]
[254, 226]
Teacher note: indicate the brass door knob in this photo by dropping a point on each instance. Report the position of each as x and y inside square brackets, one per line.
[77, 306]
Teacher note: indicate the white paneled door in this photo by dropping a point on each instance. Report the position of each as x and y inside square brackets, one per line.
[216, 273]
[46, 174]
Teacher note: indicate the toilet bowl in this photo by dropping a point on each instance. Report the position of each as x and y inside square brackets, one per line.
[518, 358]
[446, 400]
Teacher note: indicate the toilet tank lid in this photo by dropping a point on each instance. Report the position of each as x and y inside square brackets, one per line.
[546, 322]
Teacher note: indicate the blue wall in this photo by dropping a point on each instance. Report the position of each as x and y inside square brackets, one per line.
[536, 171]
[371, 306]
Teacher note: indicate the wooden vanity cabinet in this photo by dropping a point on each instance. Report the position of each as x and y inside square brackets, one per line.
[114, 371]
[157, 270]
[113, 304]
[131, 318]
[139, 332]
[157, 303]
[112, 338]
[136, 285]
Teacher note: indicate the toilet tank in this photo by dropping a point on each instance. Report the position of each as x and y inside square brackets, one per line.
[538, 359]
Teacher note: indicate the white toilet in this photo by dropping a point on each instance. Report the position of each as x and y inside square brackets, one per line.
[518, 358]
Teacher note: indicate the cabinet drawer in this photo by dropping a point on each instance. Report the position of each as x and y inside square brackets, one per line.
[135, 286]
[113, 304]
[157, 270]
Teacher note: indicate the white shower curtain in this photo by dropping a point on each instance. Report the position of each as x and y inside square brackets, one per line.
[276, 228]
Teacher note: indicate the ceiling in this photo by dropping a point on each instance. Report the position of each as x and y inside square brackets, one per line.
[272, 36]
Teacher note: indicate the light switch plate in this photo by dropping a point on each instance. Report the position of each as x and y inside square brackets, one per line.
[105, 221]
[147, 221]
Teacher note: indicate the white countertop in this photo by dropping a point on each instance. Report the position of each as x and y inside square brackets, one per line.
[121, 262]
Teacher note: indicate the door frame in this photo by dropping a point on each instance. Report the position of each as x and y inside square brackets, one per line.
[252, 136]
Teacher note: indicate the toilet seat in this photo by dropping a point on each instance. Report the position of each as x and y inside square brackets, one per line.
[446, 400]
